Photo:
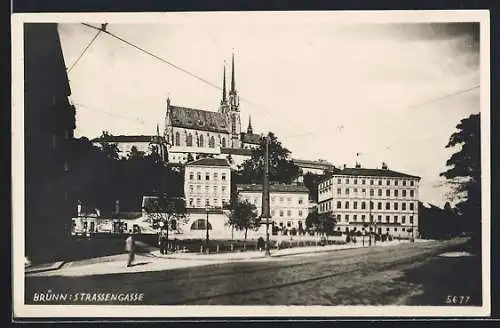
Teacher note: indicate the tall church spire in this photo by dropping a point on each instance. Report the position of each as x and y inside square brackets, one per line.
[250, 129]
[233, 83]
[224, 98]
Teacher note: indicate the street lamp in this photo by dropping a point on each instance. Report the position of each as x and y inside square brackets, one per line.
[412, 225]
[207, 209]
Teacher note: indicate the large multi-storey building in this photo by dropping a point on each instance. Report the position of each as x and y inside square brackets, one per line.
[49, 119]
[289, 204]
[377, 200]
[207, 183]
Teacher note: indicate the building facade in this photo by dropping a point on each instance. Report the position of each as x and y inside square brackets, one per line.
[49, 123]
[378, 200]
[145, 144]
[196, 131]
[289, 204]
[207, 183]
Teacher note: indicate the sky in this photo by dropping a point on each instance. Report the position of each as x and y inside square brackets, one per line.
[327, 90]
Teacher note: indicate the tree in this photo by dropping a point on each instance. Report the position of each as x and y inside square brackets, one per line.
[166, 212]
[190, 157]
[464, 173]
[282, 169]
[135, 154]
[243, 216]
[311, 182]
[323, 223]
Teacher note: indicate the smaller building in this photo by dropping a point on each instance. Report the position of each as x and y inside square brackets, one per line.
[289, 204]
[145, 144]
[207, 183]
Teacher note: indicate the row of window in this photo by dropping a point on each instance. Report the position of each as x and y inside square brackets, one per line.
[206, 176]
[363, 218]
[215, 202]
[200, 140]
[395, 229]
[371, 181]
[281, 200]
[288, 213]
[207, 189]
[395, 193]
[327, 206]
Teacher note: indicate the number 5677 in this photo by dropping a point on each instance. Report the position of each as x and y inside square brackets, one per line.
[453, 299]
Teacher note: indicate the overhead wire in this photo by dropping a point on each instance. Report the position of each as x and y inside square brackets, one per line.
[86, 48]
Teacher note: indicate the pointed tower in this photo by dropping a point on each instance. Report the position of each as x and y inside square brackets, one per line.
[224, 106]
[234, 110]
[250, 129]
[168, 131]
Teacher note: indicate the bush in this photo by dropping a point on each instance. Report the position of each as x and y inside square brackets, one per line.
[348, 239]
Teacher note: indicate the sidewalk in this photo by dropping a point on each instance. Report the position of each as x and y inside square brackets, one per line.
[154, 261]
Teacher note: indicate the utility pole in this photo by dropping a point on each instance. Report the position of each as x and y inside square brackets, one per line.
[265, 196]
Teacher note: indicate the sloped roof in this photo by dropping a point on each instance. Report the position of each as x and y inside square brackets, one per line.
[272, 188]
[197, 119]
[129, 138]
[386, 173]
[251, 138]
[313, 164]
[209, 162]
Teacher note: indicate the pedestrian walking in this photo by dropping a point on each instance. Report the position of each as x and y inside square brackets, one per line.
[130, 249]
[163, 242]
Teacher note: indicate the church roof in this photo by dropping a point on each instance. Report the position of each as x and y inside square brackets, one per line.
[251, 138]
[197, 119]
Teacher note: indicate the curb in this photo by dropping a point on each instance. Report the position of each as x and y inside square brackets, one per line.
[54, 267]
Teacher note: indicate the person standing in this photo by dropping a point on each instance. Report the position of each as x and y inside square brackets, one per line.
[163, 242]
[130, 249]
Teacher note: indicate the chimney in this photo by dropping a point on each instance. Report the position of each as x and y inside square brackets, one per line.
[345, 166]
[358, 165]
[384, 166]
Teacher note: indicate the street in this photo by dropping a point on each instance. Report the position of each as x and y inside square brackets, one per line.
[405, 274]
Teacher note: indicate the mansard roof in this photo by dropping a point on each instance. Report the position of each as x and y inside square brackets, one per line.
[197, 119]
[251, 138]
[365, 172]
[209, 162]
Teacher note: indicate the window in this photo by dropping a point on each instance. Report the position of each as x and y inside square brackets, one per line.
[189, 140]
[207, 176]
[403, 229]
[215, 201]
[300, 213]
[211, 142]
[339, 181]
[216, 176]
[199, 176]
[403, 206]
[379, 205]
[347, 191]
[281, 213]
[412, 207]
[412, 193]
[371, 205]
[404, 193]
[347, 181]
[363, 190]
[289, 200]
[388, 182]
[395, 219]
[355, 205]
[289, 213]
[201, 141]
[347, 218]
[411, 183]
[191, 188]
[380, 192]
[223, 142]
[363, 205]
[191, 201]
[289, 224]
[388, 192]
[198, 202]
[223, 176]
[355, 181]
[339, 191]
[404, 182]
[396, 182]
[201, 224]
[395, 206]
[363, 218]
[371, 182]
[371, 192]
[355, 190]
[273, 199]
[354, 217]
[346, 205]
[379, 182]
[363, 181]
[191, 176]
[215, 189]
[395, 193]
[387, 206]
[395, 229]
[379, 218]
[411, 219]
[403, 219]
[198, 188]
[339, 205]
[223, 188]
[207, 189]
[387, 218]
[177, 139]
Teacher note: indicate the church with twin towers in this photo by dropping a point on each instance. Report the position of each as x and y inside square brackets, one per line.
[195, 133]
